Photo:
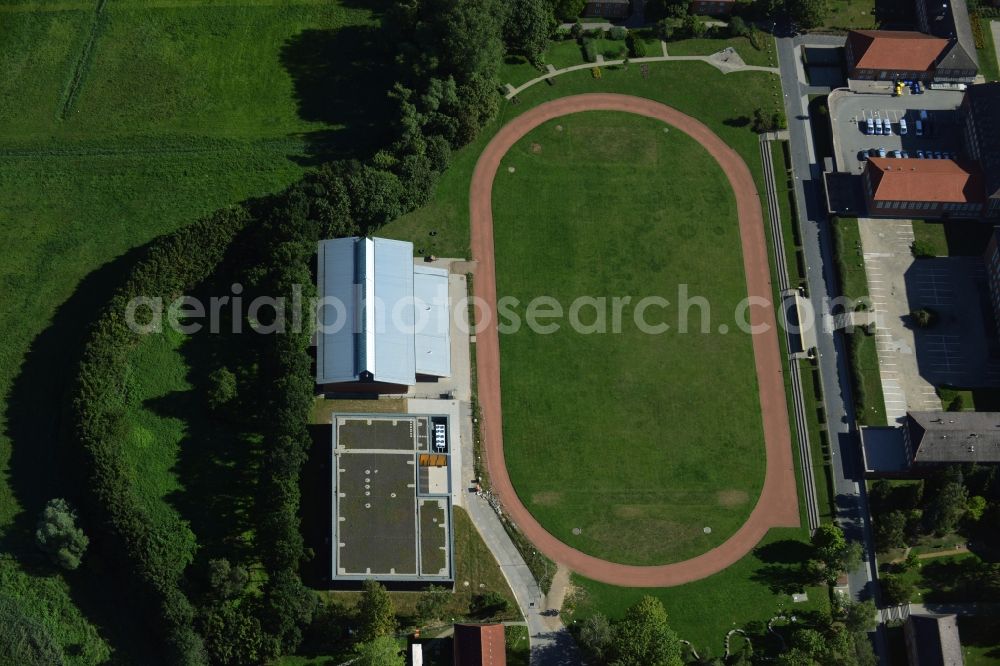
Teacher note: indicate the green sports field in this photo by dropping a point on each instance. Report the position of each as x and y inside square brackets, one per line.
[625, 437]
[121, 121]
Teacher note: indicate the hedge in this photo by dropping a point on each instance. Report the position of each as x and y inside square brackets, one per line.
[154, 555]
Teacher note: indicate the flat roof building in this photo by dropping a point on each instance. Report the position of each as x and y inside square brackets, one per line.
[934, 438]
[381, 318]
[392, 509]
[980, 112]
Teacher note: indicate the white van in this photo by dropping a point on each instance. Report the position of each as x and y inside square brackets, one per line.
[886, 127]
[871, 126]
[902, 126]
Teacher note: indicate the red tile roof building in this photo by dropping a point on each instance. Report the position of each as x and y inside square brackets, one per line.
[888, 55]
[906, 188]
[480, 645]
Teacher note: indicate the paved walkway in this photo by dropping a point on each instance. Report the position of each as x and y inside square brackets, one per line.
[726, 61]
[551, 643]
[778, 502]
[995, 29]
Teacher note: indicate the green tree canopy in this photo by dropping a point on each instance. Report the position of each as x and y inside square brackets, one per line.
[59, 537]
[381, 651]
[527, 28]
[946, 508]
[376, 614]
[644, 638]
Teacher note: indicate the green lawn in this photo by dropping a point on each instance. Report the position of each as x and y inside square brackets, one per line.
[988, 54]
[980, 636]
[765, 57]
[754, 589]
[591, 432]
[114, 129]
[850, 15]
[952, 238]
[692, 87]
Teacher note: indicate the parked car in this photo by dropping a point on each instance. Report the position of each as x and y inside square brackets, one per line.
[878, 126]
[905, 155]
[870, 125]
[938, 155]
[918, 88]
[881, 151]
[920, 127]
[920, 154]
[902, 126]
[886, 127]
[897, 154]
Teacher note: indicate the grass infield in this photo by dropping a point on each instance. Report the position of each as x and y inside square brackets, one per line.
[619, 443]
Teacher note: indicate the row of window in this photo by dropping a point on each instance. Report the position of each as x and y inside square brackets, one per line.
[928, 205]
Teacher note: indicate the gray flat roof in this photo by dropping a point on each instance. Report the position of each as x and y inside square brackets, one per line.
[385, 525]
[954, 436]
[433, 340]
[381, 318]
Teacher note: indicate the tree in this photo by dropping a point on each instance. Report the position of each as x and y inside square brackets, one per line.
[807, 13]
[24, 640]
[221, 388]
[738, 27]
[923, 317]
[946, 508]
[890, 531]
[376, 614]
[233, 634]
[381, 651]
[809, 641]
[527, 28]
[657, 10]
[226, 581]
[830, 547]
[861, 616]
[693, 26]
[568, 10]
[976, 508]
[489, 604]
[432, 603]
[643, 637]
[636, 47]
[595, 636]
[896, 590]
[59, 537]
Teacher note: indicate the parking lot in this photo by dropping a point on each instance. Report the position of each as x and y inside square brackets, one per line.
[849, 112]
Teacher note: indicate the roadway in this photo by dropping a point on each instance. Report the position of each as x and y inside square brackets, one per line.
[851, 501]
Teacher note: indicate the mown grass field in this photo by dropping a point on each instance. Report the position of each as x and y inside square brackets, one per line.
[703, 611]
[116, 127]
[614, 433]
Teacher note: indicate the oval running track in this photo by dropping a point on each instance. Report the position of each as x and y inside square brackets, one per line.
[777, 505]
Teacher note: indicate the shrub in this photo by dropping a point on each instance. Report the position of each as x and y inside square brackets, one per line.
[738, 27]
[576, 31]
[922, 249]
[489, 605]
[957, 403]
[617, 33]
[589, 50]
[923, 317]
[636, 47]
[59, 537]
[595, 72]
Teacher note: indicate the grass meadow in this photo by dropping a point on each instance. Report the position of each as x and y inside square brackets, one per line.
[621, 435]
[120, 122]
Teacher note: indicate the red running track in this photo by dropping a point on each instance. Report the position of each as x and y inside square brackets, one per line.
[777, 505]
